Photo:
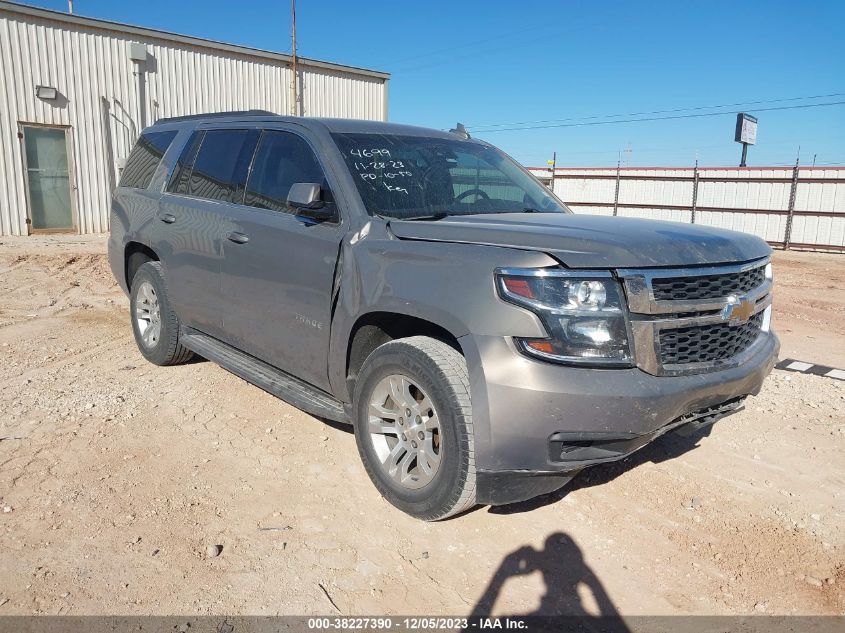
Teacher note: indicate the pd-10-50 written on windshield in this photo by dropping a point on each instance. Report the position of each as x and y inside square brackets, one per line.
[374, 164]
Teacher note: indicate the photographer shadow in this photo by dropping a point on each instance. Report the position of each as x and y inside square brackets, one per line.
[564, 572]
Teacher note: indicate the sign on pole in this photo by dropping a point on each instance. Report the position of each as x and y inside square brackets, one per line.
[746, 129]
[746, 133]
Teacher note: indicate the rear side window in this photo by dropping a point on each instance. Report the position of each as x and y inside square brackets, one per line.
[182, 173]
[222, 164]
[144, 159]
[214, 165]
[281, 160]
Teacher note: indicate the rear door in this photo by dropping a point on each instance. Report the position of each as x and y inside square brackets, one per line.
[277, 281]
[193, 218]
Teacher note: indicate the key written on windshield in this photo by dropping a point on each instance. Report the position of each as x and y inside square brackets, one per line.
[383, 168]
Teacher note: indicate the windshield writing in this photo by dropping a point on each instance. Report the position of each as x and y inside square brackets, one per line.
[412, 177]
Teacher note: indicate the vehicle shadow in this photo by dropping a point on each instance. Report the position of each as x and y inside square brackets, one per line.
[664, 448]
[337, 426]
[564, 572]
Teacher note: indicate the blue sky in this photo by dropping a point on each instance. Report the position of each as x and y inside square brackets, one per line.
[502, 62]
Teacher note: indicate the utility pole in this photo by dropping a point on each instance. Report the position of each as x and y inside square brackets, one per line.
[618, 180]
[70, 6]
[552, 164]
[294, 106]
[787, 233]
[694, 191]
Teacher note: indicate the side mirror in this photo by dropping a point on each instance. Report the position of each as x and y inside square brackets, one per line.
[306, 198]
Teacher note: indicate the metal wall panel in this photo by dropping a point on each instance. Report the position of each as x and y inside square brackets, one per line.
[99, 100]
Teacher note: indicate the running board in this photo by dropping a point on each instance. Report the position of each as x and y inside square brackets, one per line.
[282, 385]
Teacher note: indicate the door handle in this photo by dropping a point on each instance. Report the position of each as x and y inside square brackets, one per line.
[167, 218]
[237, 238]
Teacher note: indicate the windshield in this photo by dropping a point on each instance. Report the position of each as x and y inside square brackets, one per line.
[407, 177]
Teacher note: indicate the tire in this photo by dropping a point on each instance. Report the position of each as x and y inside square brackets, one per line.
[154, 323]
[437, 388]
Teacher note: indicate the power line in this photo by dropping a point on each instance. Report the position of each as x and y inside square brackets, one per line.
[477, 128]
[662, 118]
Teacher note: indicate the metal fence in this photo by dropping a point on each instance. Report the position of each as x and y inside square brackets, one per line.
[790, 207]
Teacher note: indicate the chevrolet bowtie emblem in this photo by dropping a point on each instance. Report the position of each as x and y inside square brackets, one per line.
[738, 310]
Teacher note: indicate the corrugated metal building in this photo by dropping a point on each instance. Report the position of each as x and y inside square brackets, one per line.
[789, 207]
[77, 92]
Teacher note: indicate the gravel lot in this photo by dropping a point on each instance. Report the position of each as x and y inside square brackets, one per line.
[131, 489]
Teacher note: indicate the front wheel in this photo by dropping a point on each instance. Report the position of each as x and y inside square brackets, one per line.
[413, 427]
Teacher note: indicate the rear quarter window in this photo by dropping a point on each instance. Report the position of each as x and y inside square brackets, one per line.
[144, 159]
[215, 165]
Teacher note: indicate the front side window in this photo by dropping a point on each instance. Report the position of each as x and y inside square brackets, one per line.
[405, 177]
[145, 157]
[281, 160]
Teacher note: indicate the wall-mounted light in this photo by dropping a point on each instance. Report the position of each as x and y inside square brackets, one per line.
[48, 93]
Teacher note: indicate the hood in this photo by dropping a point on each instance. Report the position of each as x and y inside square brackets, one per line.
[592, 241]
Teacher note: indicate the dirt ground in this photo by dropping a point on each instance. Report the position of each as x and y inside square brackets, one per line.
[116, 477]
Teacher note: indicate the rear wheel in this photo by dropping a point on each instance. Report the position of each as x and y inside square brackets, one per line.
[413, 427]
[154, 323]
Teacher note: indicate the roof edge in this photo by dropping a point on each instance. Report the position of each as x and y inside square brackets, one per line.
[109, 25]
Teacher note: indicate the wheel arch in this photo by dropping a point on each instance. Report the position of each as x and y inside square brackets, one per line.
[376, 328]
[135, 255]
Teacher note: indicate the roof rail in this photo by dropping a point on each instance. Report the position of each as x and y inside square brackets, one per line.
[216, 115]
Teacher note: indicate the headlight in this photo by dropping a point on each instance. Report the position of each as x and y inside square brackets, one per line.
[583, 312]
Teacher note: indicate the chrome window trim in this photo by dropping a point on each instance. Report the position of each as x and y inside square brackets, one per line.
[640, 293]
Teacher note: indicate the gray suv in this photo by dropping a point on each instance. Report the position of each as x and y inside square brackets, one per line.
[484, 342]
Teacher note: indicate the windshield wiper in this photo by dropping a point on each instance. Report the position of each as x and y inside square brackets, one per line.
[433, 216]
[523, 210]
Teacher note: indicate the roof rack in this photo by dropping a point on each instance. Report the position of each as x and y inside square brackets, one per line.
[216, 115]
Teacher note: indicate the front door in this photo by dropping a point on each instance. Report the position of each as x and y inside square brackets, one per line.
[48, 178]
[278, 267]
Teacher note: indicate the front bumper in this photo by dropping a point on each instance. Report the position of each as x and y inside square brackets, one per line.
[537, 423]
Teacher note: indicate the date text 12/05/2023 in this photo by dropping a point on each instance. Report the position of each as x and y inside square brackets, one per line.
[419, 623]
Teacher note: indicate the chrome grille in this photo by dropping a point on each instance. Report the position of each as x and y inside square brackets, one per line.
[700, 319]
[707, 343]
[707, 286]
